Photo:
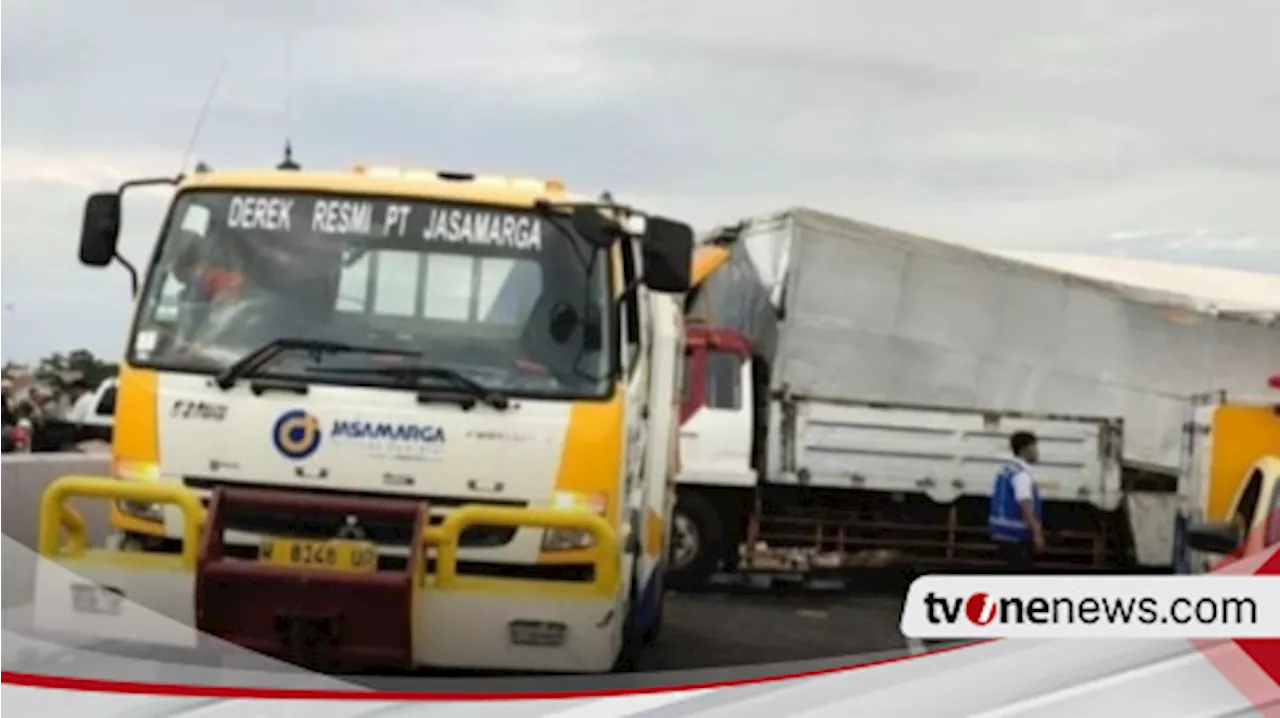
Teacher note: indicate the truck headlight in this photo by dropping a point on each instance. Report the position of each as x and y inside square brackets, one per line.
[138, 471]
[138, 510]
[571, 539]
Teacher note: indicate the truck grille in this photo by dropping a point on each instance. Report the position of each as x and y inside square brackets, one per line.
[385, 533]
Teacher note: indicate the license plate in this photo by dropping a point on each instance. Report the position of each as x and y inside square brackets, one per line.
[333, 555]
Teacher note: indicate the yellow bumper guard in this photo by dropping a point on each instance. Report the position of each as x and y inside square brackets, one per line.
[56, 515]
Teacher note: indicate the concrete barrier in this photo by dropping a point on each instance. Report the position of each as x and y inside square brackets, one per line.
[23, 478]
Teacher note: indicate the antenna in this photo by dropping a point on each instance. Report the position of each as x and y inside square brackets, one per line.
[204, 112]
[287, 164]
[288, 84]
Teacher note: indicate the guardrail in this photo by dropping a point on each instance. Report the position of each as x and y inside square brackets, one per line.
[25, 478]
[35, 471]
[18, 458]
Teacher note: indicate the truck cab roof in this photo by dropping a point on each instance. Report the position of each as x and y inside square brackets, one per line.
[426, 184]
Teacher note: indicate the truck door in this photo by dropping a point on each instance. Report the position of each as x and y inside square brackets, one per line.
[1257, 511]
[1254, 514]
[716, 436]
[1243, 433]
[1246, 503]
[1271, 532]
[636, 359]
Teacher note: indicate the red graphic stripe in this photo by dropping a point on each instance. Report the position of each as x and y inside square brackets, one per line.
[1254, 666]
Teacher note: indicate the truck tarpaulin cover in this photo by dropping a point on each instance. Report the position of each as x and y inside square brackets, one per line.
[737, 296]
[875, 314]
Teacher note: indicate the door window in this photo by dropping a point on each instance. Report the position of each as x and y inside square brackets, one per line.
[1247, 505]
[107, 404]
[724, 381]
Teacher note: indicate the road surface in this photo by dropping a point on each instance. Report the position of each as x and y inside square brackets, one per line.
[730, 625]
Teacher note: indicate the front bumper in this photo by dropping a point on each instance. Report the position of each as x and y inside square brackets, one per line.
[514, 547]
[429, 614]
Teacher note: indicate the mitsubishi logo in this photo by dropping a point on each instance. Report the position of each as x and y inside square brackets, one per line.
[351, 530]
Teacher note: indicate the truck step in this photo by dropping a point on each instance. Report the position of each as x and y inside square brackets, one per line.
[333, 618]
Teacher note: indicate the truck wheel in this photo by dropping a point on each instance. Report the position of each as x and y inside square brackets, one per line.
[697, 541]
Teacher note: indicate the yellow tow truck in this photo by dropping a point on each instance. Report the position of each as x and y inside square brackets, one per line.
[386, 417]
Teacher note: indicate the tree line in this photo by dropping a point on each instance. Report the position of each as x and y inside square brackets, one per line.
[58, 366]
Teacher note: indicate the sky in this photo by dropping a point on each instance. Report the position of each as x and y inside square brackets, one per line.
[1138, 128]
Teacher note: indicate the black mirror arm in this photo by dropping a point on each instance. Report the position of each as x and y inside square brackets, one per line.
[133, 273]
[629, 290]
[125, 186]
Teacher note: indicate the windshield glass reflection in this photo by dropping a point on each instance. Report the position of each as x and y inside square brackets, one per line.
[500, 294]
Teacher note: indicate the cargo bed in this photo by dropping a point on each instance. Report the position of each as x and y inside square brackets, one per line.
[847, 309]
[859, 483]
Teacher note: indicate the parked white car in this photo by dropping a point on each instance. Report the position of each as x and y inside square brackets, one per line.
[95, 412]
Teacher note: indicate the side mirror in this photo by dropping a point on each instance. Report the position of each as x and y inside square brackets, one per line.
[668, 255]
[101, 229]
[1220, 538]
[592, 226]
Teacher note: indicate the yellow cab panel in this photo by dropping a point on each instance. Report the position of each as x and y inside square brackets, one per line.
[1242, 434]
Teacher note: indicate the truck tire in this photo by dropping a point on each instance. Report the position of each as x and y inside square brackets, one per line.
[697, 541]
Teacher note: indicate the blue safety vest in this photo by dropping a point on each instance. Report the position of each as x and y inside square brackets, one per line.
[1004, 519]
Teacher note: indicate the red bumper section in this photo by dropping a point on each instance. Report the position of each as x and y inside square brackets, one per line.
[320, 619]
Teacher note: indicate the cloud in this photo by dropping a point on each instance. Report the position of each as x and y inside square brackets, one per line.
[29, 167]
[542, 53]
[992, 122]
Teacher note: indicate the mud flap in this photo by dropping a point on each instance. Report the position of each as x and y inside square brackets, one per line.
[1181, 556]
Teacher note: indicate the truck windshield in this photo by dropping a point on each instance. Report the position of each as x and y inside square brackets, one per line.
[499, 294]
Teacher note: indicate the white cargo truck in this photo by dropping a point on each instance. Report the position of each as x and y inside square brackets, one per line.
[850, 391]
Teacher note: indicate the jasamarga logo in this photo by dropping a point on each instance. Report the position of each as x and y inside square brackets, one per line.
[388, 431]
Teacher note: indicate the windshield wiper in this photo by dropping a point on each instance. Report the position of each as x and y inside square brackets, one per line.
[412, 374]
[256, 359]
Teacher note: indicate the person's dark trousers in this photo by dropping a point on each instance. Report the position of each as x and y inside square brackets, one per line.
[1017, 557]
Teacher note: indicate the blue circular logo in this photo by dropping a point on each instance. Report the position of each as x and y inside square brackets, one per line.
[296, 434]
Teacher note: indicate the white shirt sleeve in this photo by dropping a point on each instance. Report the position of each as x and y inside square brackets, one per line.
[1022, 486]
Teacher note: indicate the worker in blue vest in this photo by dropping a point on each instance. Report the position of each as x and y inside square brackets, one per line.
[1015, 519]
